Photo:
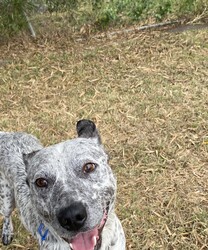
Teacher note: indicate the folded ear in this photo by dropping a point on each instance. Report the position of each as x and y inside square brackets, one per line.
[87, 129]
[27, 158]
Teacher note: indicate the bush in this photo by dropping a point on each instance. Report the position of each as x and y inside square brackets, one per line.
[12, 17]
[100, 13]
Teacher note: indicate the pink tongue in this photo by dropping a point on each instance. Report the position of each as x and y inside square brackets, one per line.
[85, 241]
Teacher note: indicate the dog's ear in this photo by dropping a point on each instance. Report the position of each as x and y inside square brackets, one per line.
[87, 129]
[28, 157]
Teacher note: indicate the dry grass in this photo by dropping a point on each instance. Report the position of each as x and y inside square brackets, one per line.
[148, 95]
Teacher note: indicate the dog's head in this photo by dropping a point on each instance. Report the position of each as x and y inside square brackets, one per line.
[72, 187]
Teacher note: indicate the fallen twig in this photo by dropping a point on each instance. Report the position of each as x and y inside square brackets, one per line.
[30, 25]
[141, 28]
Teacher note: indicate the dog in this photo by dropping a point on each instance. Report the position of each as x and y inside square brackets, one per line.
[65, 193]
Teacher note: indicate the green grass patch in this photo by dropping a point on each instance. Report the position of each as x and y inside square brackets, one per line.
[96, 13]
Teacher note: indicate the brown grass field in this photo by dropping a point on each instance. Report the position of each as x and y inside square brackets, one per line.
[148, 94]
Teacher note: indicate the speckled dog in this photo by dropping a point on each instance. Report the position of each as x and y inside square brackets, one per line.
[65, 193]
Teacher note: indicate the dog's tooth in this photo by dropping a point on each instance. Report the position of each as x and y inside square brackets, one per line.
[71, 246]
[94, 240]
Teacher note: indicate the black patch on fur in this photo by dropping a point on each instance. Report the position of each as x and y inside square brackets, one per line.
[27, 157]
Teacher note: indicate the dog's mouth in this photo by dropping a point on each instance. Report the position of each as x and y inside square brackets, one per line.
[90, 239]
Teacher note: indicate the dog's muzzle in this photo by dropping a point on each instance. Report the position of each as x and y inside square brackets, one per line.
[73, 218]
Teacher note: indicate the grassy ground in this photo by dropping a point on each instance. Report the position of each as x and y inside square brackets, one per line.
[147, 92]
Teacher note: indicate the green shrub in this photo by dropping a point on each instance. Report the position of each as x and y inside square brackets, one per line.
[12, 17]
[100, 13]
[130, 11]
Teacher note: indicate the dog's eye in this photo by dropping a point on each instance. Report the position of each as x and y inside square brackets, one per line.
[89, 167]
[41, 182]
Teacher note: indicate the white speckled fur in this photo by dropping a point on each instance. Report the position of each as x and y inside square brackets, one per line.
[23, 160]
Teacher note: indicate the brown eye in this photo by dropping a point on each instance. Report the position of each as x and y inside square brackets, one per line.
[41, 182]
[89, 167]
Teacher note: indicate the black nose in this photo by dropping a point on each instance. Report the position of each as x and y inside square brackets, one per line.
[73, 217]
